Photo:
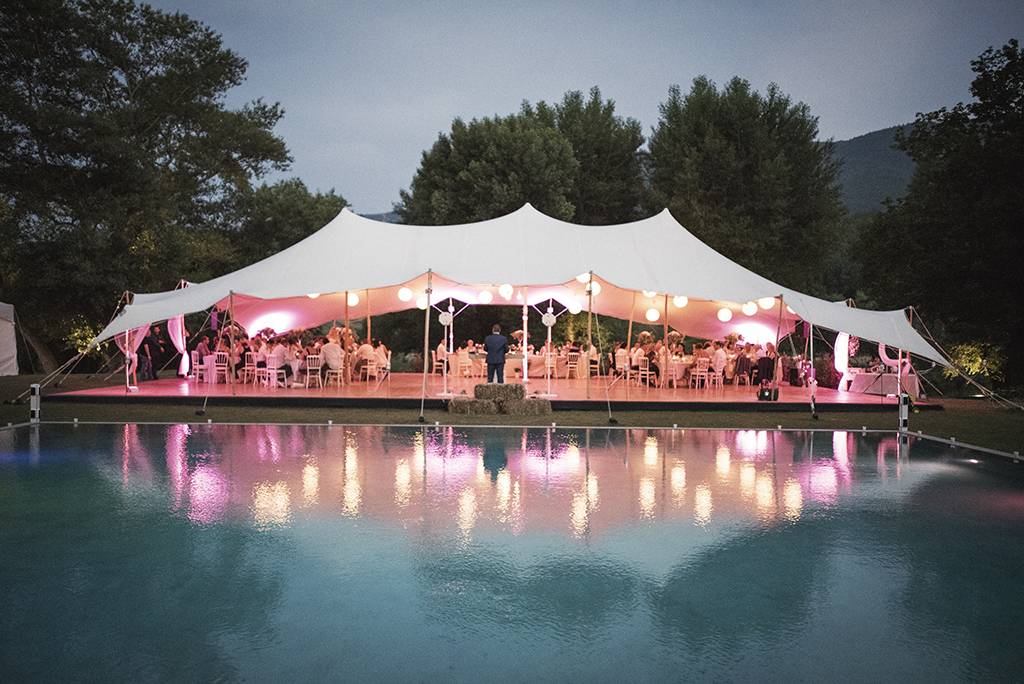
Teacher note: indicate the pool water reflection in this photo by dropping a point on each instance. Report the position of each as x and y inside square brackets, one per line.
[298, 552]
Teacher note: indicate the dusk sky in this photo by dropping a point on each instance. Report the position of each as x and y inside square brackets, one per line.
[368, 86]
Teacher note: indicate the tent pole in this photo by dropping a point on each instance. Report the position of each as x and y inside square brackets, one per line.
[812, 381]
[629, 338]
[778, 355]
[369, 318]
[348, 330]
[664, 340]
[426, 344]
[590, 318]
[231, 311]
[526, 335]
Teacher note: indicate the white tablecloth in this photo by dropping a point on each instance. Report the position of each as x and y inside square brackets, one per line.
[883, 384]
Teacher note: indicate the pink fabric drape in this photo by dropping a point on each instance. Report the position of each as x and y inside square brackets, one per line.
[176, 331]
[136, 336]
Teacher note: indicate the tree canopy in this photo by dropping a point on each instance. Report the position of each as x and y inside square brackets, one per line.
[746, 173]
[952, 246]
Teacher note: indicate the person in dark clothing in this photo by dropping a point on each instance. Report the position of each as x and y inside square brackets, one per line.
[151, 350]
[496, 345]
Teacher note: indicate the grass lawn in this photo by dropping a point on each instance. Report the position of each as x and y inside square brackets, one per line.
[968, 420]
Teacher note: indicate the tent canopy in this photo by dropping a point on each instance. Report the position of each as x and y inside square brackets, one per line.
[645, 270]
[8, 341]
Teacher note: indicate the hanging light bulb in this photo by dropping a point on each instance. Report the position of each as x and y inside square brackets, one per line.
[421, 301]
[313, 295]
[583, 278]
[680, 301]
[652, 315]
[724, 315]
[766, 302]
[484, 297]
[750, 308]
[404, 294]
[353, 299]
[650, 294]
[506, 291]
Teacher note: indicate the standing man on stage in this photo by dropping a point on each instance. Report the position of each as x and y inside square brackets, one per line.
[496, 345]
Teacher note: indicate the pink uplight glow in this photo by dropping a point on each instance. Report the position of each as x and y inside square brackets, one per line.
[278, 321]
[757, 333]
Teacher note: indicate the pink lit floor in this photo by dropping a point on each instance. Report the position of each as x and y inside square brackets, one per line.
[405, 387]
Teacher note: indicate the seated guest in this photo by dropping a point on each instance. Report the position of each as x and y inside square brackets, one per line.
[262, 350]
[365, 353]
[280, 350]
[718, 358]
[203, 348]
[332, 355]
[382, 354]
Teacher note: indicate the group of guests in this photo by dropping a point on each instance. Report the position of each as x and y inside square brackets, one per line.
[336, 350]
[747, 358]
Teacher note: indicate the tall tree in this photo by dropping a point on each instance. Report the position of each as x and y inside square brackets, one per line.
[953, 244]
[609, 185]
[745, 172]
[490, 167]
[119, 160]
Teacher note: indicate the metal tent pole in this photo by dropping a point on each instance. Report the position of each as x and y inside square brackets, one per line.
[231, 335]
[426, 346]
[526, 335]
[664, 340]
[590, 318]
[629, 338]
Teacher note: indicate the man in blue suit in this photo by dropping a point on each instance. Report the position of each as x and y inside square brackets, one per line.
[496, 345]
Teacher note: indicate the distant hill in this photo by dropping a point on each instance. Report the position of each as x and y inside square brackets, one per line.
[386, 217]
[872, 170]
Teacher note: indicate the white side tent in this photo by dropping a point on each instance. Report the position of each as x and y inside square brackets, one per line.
[8, 343]
[652, 270]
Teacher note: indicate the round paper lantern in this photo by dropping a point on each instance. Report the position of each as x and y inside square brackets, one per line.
[652, 315]
[595, 288]
[583, 278]
[506, 291]
[766, 302]
[548, 319]
[484, 297]
[421, 301]
[650, 294]
[445, 318]
[680, 301]
[724, 315]
[750, 308]
[353, 299]
[405, 294]
[313, 295]
[574, 307]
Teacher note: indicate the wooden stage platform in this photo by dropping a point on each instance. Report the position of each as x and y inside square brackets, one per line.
[402, 390]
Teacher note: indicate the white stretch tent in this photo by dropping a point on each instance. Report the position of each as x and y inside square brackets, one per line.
[8, 342]
[646, 270]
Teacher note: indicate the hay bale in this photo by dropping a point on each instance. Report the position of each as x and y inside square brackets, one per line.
[527, 407]
[473, 407]
[499, 393]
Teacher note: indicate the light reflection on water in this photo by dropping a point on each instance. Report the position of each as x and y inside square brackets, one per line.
[726, 554]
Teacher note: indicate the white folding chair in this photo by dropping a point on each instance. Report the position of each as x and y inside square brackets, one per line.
[369, 370]
[313, 366]
[198, 372]
[436, 364]
[550, 365]
[595, 365]
[336, 374]
[644, 375]
[621, 361]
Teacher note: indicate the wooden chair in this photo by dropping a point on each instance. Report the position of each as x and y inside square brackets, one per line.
[621, 361]
[313, 366]
[572, 366]
[594, 365]
[644, 375]
[368, 370]
[198, 371]
[699, 372]
[673, 373]
[273, 375]
[336, 374]
[220, 367]
[436, 364]
[249, 368]
[550, 365]
[465, 366]
[715, 379]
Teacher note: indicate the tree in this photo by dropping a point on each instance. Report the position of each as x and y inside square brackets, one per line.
[746, 173]
[119, 160]
[952, 245]
[279, 215]
[609, 185]
[490, 167]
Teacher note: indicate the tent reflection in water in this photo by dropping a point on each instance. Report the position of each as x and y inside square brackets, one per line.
[652, 270]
